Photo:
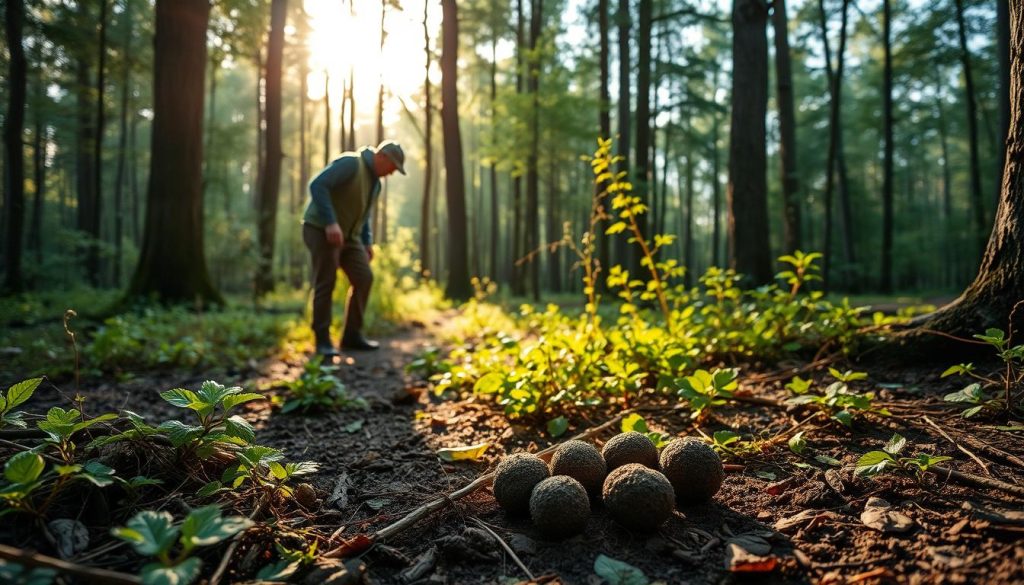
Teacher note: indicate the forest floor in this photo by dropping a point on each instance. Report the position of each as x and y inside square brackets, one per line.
[779, 517]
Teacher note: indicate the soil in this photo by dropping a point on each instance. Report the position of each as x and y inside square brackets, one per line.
[779, 517]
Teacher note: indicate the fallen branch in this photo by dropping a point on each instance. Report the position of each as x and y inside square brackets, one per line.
[957, 445]
[507, 548]
[90, 574]
[977, 480]
[361, 542]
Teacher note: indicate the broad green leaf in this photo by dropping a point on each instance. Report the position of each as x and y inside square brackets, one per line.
[895, 444]
[279, 571]
[141, 480]
[180, 397]
[845, 417]
[470, 453]
[14, 419]
[958, 369]
[797, 443]
[20, 392]
[237, 426]
[88, 423]
[798, 385]
[183, 573]
[205, 526]
[97, 473]
[828, 460]
[489, 383]
[209, 489]
[24, 467]
[873, 462]
[557, 426]
[178, 432]
[236, 399]
[302, 468]
[616, 572]
[257, 454]
[150, 532]
[213, 393]
[634, 422]
[725, 438]
[277, 471]
[971, 393]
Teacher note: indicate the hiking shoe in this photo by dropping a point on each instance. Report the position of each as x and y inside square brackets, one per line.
[357, 342]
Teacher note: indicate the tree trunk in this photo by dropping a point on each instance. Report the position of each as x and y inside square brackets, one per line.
[835, 81]
[327, 119]
[554, 229]
[133, 179]
[382, 203]
[605, 121]
[625, 67]
[515, 272]
[642, 174]
[85, 184]
[495, 233]
[92, 263]
[972, 129]
[428, 158]
[532, 172]
[716, 190]
[122, 146]
[689, 239]
[458, 287]
[787, 131]
[14, 151]
[35, 230]
[949, 256]
[272, 155]
[748, 190]
[887, 200]
[997, 289]
[172, 267]
[1003, 35]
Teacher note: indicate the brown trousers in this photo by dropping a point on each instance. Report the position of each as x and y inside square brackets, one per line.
[354, 261]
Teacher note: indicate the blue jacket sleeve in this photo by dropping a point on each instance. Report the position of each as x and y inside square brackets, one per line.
[337, 172]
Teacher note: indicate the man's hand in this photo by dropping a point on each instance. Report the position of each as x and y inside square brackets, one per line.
[334, 235]
[369, 252]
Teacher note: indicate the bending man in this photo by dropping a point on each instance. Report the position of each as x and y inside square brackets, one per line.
[336, 229]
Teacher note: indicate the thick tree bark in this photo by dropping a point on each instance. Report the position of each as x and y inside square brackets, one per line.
[428, 151]
[458, 287]
[787, 131]
[623, 122]
[1003, 35]
[990, 300]
[382, 202]
[273, 153]
[14, 151]
[748, 190]
[887, 122]
[532, 172]
[977, 203]
[122, 145]
[605, 124]
[172, 266]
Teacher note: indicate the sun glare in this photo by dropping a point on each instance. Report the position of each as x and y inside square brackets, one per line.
[344, 41]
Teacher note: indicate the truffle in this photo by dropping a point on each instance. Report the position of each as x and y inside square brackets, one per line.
[514, 480]
[631, 447]
[581, 461]
[694, 469]
[638, 497]
[559, 507]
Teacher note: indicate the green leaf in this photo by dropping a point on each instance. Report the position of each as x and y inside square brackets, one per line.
[97, 473]
[20, 392]
[994, 337]
[895, 444]
[236, 399]
[180, 397]
[845, 417]
[971, 393]
[828, 460]
[209, 489]
[798, 385]
[183, 573]
[205, 526]
[489, 383]
[797, 443]
[470, 453]
[178, 432]
[279, 571]
[873, 462]
[957, 369]
[257, 454]
[355, 426]
[725, 438]
[88, 423]
[557, 427]
[24, 467]
[141, 480]
[237, 426]
[213, 393]
[616, 572]
[151, 533]
[634, 423]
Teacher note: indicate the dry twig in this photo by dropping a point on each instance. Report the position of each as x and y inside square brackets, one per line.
[507, 548]
[90, 574]
[957, 445]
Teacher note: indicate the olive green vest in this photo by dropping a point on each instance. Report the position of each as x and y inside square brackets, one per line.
[351, 200]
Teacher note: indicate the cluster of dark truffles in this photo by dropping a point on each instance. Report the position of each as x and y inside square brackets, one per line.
[638, 487]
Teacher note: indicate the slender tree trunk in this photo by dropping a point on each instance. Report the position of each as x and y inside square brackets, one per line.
[428, 158]
[85, 183]
[887, 198]
[382, 203]
[35, 230]
[835, 80]
[532, 172]
[458, 287]
[554, 229]
[495, 233]
[748, 190]
[625, 131]
[605, 122]
[273, 153]
[122, 146]
[787, 131]
[716, 191]
[133, 179]
[93, 259]
[688, 258]
[327, 119]
[516, 272]
[172, 266]
[642, 172]
[14, 151]
[977, 202]
[949, 245]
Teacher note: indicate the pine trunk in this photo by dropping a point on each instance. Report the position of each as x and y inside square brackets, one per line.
[977, 204]
[887, 197]
[272, 154]
[428, 158]
[458, 287]
[14, 152]
[625, 67]
[787, 131]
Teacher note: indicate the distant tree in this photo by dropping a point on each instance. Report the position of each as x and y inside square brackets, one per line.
[642, 167]
[455, 186]
[624, 22]
[887, 122]
[172, 265]
[273, 154]
[605, 125]
[977, 204]
[750, 252]
[997, 290]
[14, 151]
[532, 172]
[835, 141]
[122, 141]
[428, 149]
[92, 264]
[787, 131]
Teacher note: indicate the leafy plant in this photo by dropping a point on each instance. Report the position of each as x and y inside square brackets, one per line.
[15, 396]
[706, 389]
[217, 428]
[838, 401]
[635, 422]
[261, 468]
[1008, 382]
[317, 387]
[61, 424]
[874, 462]
[155, 534]
[732, 444]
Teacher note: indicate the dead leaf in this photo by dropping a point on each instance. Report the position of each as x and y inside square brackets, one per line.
[879, 515]
[994, 515]
[798, 520]
[339, 495]
[72, 536]
[751, 543]
[740, 560]
[424, 564]
[470, 453]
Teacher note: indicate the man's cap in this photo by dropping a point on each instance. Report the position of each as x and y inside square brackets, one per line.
[394, 152]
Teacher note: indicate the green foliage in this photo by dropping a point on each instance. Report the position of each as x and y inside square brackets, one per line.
[874, 462]
[155, 534]
[636, 423]
[16, 395]
[705, 389]
[217, 428]
[997, 392]
[732, 444]
[262, 469]
[838, 401]
[318, 388]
